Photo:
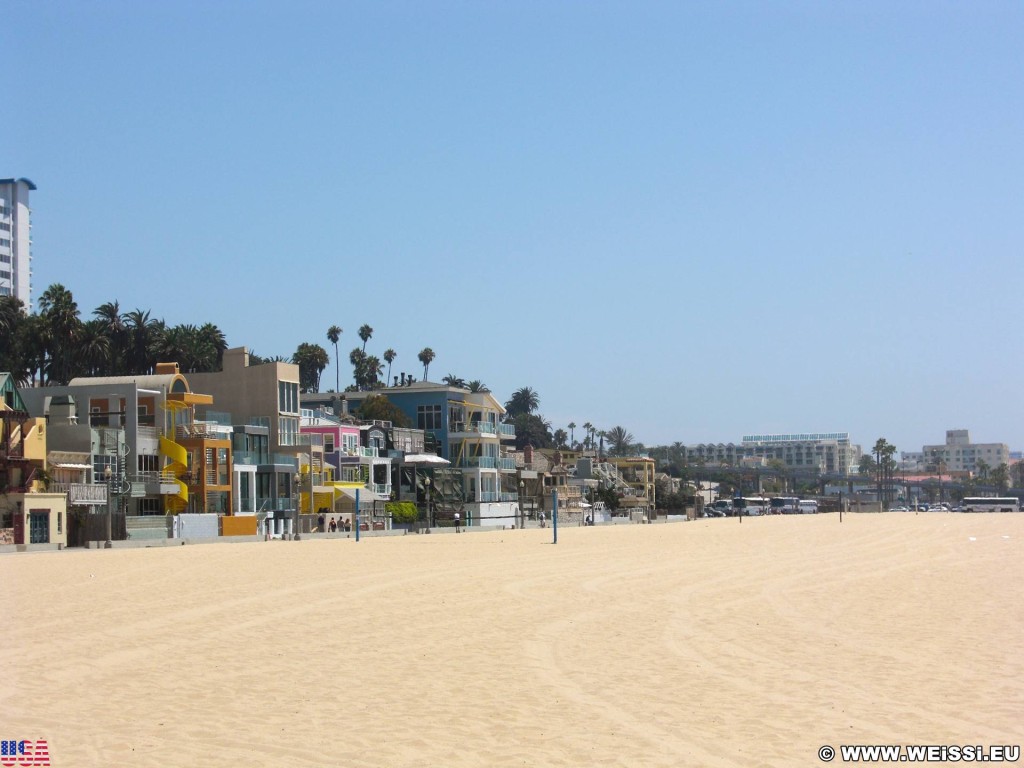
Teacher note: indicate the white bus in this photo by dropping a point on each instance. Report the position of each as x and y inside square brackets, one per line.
[785, 505]
[750, 506]
[990, 504]
[808, 507]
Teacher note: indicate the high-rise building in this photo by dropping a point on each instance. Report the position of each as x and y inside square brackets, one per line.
[16, 240]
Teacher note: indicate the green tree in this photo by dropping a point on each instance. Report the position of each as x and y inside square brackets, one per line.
[619, 441]
[532, 429]
[333, 334]
[59, 311]
[1000, 477]
[867, 465]
[588, 430]
[885, 468]
[572, 434]
[389, 358]
[477, 386]
[143, 336]
[426, 356]
[311, 359]
[113, 322]
[560, 437]
[14, 339]
[365, 332]
[454, 381]
[524, 400]
[379, 408]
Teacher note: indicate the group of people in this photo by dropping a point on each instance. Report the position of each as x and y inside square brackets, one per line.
[334, 526]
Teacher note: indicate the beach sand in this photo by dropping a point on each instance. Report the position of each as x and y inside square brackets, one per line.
[710, 643]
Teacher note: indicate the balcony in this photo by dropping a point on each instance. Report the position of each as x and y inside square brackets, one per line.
[478, 462]
[81, 493]
[474, 428]
[508, 465]
[507, 431]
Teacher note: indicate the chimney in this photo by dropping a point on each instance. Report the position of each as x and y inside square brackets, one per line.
[344, 406]
[528, 454]
[403, 378]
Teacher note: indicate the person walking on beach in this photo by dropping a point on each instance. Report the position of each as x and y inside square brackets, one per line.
[457, 528]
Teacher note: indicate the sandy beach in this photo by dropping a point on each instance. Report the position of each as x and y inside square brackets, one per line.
[710, 643]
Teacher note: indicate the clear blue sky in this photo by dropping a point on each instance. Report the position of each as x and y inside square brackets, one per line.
[694, 220]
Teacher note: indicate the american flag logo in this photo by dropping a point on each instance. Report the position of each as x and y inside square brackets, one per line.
[23, 753]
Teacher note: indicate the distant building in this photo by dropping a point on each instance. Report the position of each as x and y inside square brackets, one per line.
[16, 240]
[821, 452]
[959, 454]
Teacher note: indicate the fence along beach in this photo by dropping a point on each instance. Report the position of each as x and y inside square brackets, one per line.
[705, 643]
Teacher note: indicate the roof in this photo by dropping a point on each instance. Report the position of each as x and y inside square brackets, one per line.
[25, 181]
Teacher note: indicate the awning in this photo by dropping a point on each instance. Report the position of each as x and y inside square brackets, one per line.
[424, 458]
[73, 466]
[364, 495]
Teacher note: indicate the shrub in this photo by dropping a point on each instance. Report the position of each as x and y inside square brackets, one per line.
[402, 511]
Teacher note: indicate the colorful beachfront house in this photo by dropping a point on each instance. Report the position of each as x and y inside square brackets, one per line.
[169, 462]
[263, 402]
[357, 458]
[480, 479]
[30, 514]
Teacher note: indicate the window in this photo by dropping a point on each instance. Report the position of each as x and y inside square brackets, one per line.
[288, 430]
[328, 443]
[428, 417]
[288, 397]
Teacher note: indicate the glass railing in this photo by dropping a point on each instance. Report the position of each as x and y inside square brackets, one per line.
[507, 430]
[259, 421]
[488, 496]
[482, 462]
[507, 464]
[275, 504]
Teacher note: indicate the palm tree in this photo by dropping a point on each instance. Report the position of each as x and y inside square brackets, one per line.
[426, 356]
[454, 381]
[93, 349]
[389, 358]
[311, 359]
[477, 386]
[560, 437]
[142, 333]
[588, 428]
[212, 336]
[109, 314]
[572, 434]
[365, 332]
[374, 368]
[619, 440]
[333, 334]
[60, 313]
[523, 400]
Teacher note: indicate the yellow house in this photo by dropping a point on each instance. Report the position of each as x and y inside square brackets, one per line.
[28, 515]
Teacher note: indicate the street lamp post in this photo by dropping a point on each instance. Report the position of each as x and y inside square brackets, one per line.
[107, 475]
[522, 504]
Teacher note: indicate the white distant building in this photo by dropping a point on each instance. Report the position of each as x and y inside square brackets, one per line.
[824, 452]
[16, 240]
[959, 454]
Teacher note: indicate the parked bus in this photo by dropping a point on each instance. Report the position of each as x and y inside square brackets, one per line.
[784, 505]
[750, 506]
[807, 507]
[990, 504]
